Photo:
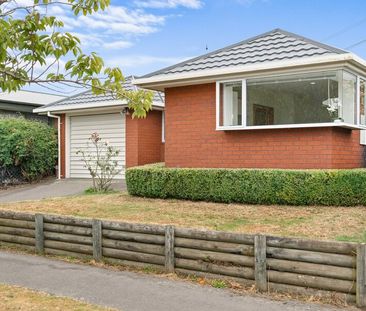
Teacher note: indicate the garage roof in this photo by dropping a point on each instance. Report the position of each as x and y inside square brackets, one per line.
[87, 99]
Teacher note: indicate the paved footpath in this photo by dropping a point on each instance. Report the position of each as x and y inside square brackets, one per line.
[130, 291]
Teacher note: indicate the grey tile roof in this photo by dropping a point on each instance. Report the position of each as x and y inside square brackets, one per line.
[87, 97]
[275, 45]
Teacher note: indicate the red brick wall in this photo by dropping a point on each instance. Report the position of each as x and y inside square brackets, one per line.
[143, 139]
[192, 141]
[132, 143]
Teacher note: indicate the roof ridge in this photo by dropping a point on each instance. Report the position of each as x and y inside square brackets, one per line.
[231, 46]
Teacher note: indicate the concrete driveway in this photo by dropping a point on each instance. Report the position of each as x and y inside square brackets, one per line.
[50, 188]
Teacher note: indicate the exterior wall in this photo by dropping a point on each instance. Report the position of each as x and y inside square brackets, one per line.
[143, 139]
[192, 141]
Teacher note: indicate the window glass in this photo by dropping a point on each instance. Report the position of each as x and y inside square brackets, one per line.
[231, 103]
[362, 101]
[322, 97]
[295, 99]
[348, 103]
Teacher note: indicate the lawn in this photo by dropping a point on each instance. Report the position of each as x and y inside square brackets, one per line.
[14, 298]
[333, 223]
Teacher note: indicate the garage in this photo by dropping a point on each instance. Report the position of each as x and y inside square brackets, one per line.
[139, 141]
[110, 127]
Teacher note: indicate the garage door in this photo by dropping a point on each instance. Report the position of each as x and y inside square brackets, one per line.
[110, 127]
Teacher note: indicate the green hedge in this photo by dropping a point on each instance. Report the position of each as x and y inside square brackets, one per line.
[251, 186]
[30, 145]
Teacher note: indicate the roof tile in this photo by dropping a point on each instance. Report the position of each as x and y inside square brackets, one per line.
[88, 97]
[275, 45]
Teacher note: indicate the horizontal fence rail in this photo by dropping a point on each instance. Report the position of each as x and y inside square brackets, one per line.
[306, 267]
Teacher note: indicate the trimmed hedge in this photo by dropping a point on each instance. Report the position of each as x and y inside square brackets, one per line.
[28, 145]
[250, 186]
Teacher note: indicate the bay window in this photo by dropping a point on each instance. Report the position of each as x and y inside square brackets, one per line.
[299, 99]
[362, 102]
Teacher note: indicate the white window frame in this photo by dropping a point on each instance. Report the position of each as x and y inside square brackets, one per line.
[163, 126]
[363, 127]
[243, 104]
[282, 126]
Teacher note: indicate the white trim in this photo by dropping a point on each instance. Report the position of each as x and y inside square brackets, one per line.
[244, 102]
[95, 105]
[163, 126]
[124, 117]
[289, 126]
[217, 104]
[84, 112]
[163, 79]
[358, 100]
[67, 146]
[80, 106]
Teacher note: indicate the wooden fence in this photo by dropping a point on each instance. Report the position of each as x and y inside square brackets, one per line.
[307, 267]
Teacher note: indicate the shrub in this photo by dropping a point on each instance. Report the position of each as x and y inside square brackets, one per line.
[30, 145]
[250, 186]
[101, 162]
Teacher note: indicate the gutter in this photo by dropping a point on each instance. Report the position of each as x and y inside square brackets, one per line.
[50, 115]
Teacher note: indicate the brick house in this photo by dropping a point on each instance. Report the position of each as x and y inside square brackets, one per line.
[277, 100]
[140, 141]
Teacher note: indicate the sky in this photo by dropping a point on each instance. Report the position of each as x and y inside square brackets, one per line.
[141, 36]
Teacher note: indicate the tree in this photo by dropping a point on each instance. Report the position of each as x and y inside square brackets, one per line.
[34, 50]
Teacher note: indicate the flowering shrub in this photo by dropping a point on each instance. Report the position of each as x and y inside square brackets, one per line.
[101, 161]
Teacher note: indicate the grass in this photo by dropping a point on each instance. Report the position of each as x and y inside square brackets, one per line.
[14, 298]
[218, 284]
[319, 222]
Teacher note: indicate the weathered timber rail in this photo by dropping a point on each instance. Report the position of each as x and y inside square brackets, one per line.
[307, 267]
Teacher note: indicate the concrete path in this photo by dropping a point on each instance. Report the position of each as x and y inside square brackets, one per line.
[130, 291]
[50, 188]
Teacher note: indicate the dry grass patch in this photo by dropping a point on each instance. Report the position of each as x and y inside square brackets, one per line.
[14, 298]
[320, 222]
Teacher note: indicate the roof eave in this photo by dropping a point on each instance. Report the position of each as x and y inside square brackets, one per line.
[159, 82]
[74, 107]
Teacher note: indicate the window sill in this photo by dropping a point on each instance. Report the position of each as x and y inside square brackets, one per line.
[289, 126]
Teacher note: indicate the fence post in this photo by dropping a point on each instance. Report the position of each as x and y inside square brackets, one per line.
[169, 249]
[39, 234]
[260, 268]
[361, 276]
[97, 239]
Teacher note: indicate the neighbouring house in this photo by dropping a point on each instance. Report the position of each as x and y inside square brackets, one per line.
[277, 100]
[22, 103]
[140, 141]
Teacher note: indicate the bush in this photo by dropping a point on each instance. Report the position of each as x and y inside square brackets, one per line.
[30, 145]
[250, 186]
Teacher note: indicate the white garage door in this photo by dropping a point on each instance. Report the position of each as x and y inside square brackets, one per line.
[110, 127]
